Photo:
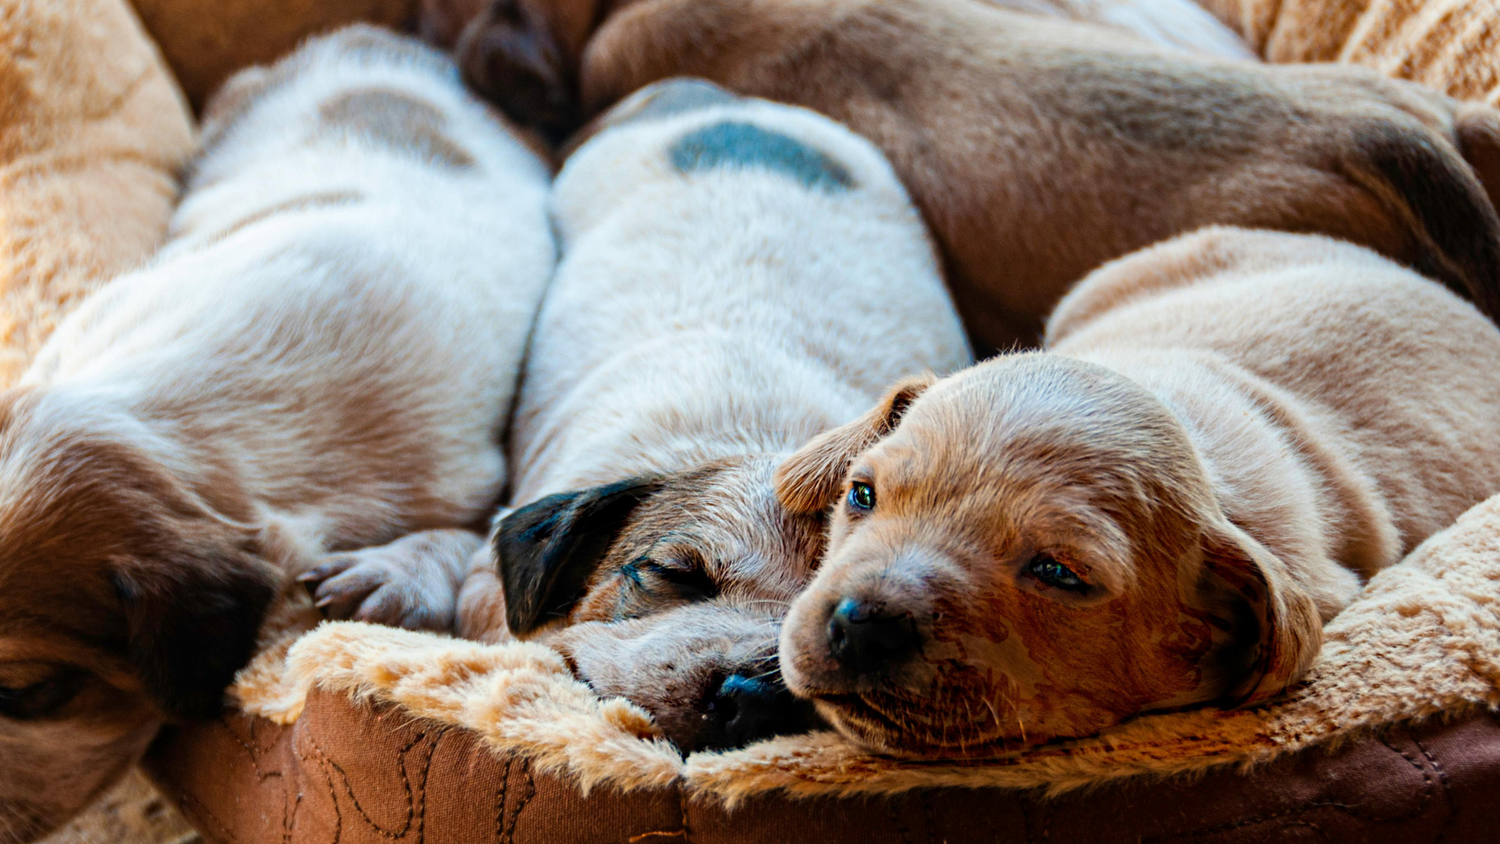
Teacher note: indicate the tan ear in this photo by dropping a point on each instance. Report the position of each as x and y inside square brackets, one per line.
[1285, 631]
[809, 480]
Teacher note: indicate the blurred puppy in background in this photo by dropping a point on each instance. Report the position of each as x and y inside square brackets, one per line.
[736, 276]
[320, 358]
[1227, 435]
[1038, 146]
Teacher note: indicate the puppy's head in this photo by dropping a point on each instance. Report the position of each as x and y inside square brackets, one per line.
[124, 603]
[668, 592]
[1027, 550]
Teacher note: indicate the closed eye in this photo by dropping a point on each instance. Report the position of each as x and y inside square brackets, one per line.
[691, 581]
[41, 699]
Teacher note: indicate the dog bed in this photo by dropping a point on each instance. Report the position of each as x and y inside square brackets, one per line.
[351, 733]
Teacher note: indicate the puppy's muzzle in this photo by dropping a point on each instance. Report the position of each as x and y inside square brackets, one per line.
[745, 709]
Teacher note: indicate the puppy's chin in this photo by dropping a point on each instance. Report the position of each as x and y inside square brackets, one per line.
[903, 725]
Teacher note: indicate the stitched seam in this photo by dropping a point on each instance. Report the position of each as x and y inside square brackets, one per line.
[348, 789]
[1447, 786]
[500, 805]
[682, 810]
[525, 798]
[333, 799]
[426, 769]
[207, 814]
[249, 751]
[893, 808]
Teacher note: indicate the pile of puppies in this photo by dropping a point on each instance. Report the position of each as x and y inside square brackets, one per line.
[715, 369]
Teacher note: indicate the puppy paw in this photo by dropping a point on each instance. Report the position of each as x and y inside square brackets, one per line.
[411, 583]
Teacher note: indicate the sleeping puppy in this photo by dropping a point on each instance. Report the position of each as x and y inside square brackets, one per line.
[1038, 147]
[320, 358]
[1227, 435]
[736, 276]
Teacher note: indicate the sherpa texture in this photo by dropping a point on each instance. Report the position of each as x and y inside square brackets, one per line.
[1423, 639]
[205, 41]
[92, 133]
[1451, 45]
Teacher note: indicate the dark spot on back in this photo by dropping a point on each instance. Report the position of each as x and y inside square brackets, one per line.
[744, 145]
[396, 120]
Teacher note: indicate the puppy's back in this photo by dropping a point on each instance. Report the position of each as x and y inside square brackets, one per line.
[1378, 364]
[719, 250]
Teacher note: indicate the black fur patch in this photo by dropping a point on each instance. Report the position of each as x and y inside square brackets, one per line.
[745, 145]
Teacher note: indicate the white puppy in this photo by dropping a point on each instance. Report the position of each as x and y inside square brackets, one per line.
[322, 357]
[737, 276]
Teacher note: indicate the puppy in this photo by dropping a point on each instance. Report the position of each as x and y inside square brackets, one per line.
[1038, 147]
[1227, 435]
[736, 276]
[320, 358]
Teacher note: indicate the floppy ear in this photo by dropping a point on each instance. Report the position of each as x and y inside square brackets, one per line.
[809, 480]
[1421, 178]
[547, 551]
[511, 56]
[191, 623]
[1283, 631]
[1478, 129]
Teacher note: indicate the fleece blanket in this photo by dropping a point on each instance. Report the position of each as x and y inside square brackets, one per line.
[1451, 45]
[92, 132]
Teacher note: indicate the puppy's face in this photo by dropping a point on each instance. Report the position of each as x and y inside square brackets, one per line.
[668, 592]
[123, 605]
[1028, 550]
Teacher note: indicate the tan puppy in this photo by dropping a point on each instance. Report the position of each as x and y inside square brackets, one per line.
[320, 358]
[1227, 435]
[1039, 147]
[736, 276]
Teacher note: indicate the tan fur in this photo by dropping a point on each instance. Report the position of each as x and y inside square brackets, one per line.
[1038, 146]
[310, 364]
[1228, 434]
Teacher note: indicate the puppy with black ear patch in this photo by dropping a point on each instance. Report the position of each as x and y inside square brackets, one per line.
[736, 275]
[320, 358]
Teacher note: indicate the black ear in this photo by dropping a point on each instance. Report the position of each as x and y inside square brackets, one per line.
[190, 625]
[547, 551]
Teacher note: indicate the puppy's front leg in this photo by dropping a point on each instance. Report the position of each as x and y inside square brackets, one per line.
[412, 582]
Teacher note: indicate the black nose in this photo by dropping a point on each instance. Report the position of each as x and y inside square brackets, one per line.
[866, 639]
[747, 709]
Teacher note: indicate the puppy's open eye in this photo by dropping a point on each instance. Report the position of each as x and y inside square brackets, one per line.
[1048, 570]
[42, 698]
[861, 497]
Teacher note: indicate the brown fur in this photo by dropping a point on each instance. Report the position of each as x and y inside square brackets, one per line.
[686, 589]
[1038, 148]
[397, 120]
[1229, 433]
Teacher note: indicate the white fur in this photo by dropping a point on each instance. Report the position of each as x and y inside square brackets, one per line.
[723, 312]
[420, 292]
